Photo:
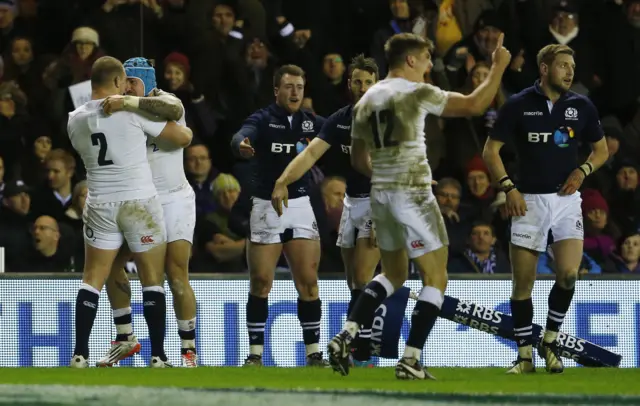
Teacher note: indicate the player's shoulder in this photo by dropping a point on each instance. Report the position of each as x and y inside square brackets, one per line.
[579, 100]
[343, 114]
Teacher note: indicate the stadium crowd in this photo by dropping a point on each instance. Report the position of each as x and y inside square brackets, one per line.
[219, 56]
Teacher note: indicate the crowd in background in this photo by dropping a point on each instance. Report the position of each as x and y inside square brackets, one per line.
[218, 57]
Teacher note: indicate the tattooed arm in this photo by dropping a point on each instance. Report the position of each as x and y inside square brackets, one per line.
[160, 104]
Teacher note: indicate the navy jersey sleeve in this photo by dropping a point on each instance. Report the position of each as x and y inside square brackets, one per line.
[328, 132]
[592, 131]
[249, 130]
[506, 124]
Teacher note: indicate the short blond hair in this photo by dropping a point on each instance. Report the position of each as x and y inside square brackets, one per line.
[548, 54]
[62, 155]
[399, 46]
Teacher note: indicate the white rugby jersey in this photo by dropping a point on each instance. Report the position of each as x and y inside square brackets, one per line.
[166, 161]
[114, 151]
[390, 118]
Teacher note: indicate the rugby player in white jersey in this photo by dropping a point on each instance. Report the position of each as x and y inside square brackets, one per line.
[388, 144]
[179, 207]
[122, 204]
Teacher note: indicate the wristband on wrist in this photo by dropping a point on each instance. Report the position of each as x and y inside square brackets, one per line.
[131, 102]
[586, 168]
[506, 183]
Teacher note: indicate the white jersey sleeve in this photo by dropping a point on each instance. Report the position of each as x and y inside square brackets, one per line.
[113, 150]
[151, 126]
[432, 98]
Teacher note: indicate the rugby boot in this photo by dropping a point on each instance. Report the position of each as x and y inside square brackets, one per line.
[78, 361]
[158, 362]
[253, 360]
[316, 360]
[339, 352]
[522, 366]
[120, 350]
[550, 353]
[189, 359]
[410, 369]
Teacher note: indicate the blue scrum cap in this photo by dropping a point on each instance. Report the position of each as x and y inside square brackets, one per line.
[142, 69]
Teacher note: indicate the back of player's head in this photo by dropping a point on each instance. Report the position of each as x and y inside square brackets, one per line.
[104, 71]
[366, 64]
[291, 70]
[142, 69]
[400, 45]
[548, 54]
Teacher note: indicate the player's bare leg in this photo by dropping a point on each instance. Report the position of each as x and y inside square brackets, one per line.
[150, 265]
[262, 260]
[304, 257]
[125, 344]
[567, 257]
[395, 263]
[360, 264]
[432, 267]
[184, 300]
[524, 264]
[97, 267]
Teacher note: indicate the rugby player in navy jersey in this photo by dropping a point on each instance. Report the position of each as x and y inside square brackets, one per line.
[356, 236]
[271, 138]
[545, 124]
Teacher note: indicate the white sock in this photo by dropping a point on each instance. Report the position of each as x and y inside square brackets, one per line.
[312, 348]
[351, 327]
[411, 352]
[256, 349]
[189, 344]
[124, 329]
[526, 352]
[550, 336]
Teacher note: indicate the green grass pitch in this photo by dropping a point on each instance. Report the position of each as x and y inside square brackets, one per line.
[574, 381]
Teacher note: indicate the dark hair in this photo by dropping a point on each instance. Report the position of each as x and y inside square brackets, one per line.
[292, 70]
[104, 69]
[400, 45]
[63, 156]
[483, 223]
[365, 64]
[548, 54]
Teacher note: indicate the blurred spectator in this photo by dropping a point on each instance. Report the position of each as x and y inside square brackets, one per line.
[601, 179]
[200, 117]
[481, 255]
[327, 203]
[2, 182]
[481, 193]
[201, 175]
[476, 47]
[599, 232]
[33, 169]
[221, 236]
[14, 126]
[625, 197]
[546, 265]
[466, 136]
[73, 219]
[330, 93]
[458, 218]
[55, 198]
[260, 67]
[626, 257]
[9, 27]
[400, 22]
[25, 67]
[48, 252]
[15, 219]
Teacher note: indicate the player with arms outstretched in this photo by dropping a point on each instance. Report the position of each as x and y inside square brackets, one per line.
[545, 123]
[122, 204]
[178, 205]
[388, 144]
[356, 236]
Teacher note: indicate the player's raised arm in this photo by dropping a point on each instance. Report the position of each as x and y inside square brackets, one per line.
[243, 141]
[178, 135]
[164, 105]
[476, 103]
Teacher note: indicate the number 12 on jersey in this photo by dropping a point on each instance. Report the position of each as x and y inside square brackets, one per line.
[382, 123]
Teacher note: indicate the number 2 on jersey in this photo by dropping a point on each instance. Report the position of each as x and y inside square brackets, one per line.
[99, 139]
[155, 147]
[382, 120]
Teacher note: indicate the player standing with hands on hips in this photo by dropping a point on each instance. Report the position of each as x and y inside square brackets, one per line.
[271, 138]
[388, 144]
[545, 124]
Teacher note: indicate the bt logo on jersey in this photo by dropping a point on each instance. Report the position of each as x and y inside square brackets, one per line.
[278, 148]
[538, 137]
